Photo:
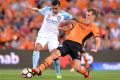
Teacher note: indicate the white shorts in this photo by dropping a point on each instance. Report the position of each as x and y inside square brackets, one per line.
[52, 43]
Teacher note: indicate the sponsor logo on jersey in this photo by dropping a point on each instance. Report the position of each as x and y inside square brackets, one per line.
[52, 21]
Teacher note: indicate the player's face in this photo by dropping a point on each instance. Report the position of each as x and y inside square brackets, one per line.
[90, 17]
[55, 9]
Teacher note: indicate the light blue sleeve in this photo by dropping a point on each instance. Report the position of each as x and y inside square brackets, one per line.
[44, 10]
[70, 16]
[67, 16]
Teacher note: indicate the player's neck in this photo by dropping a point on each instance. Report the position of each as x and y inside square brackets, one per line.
[56, 13]
[89, 24]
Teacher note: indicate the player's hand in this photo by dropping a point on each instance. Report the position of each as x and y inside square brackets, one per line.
[28, 5]
[94, 50]
[60, 28]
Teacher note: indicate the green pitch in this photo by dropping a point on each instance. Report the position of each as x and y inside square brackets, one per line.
[67, 75]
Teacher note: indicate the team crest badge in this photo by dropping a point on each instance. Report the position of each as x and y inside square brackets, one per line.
[58, 18]
[49, 15]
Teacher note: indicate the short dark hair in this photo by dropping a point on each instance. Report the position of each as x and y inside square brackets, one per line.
[55, 2]
[94, 12]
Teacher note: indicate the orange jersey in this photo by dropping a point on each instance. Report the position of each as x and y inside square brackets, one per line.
[81, 32]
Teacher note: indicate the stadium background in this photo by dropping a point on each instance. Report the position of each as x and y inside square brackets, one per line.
[19, 27]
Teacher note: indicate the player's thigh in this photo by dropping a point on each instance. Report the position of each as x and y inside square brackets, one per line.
[40, 43]
[38, 46]
[55, 54]
[77, 64]
[45, 47]
[85, 56]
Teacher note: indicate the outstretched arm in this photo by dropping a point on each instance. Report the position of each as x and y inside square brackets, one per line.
[66, 28]
[28, 6]
[98, 41]
[33, 9]
[41, 11]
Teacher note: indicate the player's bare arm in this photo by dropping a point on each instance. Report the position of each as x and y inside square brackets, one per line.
[68, 27]
[31, 8]
[98, 41]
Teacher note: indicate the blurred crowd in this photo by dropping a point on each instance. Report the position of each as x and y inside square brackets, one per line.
[19, 26]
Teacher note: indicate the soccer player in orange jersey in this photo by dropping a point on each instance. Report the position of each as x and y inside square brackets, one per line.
[79, 33]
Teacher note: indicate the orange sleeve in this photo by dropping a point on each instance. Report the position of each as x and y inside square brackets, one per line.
[95, 31]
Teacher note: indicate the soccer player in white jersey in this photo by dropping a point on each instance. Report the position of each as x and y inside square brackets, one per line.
[48, 34]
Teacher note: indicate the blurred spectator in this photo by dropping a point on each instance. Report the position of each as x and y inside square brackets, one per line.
[18, 21]
[115, 36]
[2, 13]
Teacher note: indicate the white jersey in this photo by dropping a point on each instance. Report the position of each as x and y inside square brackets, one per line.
[50, 24]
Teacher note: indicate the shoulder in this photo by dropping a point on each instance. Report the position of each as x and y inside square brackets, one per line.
[64, 13]
[95, 28]
[94, 25]
[47, 8]
[44, 10]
